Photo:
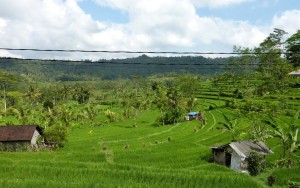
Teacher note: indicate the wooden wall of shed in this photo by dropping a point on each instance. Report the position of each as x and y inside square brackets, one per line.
[219, 157]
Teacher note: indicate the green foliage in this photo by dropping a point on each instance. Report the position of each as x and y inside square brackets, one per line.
[91, 113]
[288, 137]
[81, 94]
[293, 184]
[56, 136]
[151, 155]
[231, 125]
[51, 71]
[256, 163]
[271, 180]
[169, 105]
[293, 49]
[48, 104]
[284, 176]
[112, 116]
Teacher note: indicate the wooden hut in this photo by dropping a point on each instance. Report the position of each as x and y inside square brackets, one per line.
[16, 138]
[234, 155]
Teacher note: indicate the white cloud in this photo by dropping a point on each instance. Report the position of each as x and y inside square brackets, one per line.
[288, 21]
[159, 25]
[5, 53]
[217, 3]
[127, 4]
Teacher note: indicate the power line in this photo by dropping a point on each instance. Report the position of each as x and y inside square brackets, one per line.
[143, 52]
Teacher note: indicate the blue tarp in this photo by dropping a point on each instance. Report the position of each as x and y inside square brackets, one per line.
[193, 113]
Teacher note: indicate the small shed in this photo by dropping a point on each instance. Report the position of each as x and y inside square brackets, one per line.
[234, 155]
[191, 116]
[295, 73]
[15, 137]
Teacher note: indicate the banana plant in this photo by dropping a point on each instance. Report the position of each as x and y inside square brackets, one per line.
[289, 137]
[230, 125]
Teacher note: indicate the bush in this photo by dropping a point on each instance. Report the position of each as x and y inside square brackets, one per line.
[170, 117]
[56, 136]
[2, 147]
[293, 184]
[271, 180]
[48, 104]
[256, 164]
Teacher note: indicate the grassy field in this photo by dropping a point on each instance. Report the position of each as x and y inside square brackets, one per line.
[121, 155]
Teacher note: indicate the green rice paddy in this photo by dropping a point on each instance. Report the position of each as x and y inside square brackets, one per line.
[121, 155]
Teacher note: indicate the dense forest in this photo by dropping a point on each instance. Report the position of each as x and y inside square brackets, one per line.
[57, 70]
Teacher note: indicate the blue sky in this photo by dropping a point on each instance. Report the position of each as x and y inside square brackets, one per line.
[256, 11]
[103, 13]
[140, 25]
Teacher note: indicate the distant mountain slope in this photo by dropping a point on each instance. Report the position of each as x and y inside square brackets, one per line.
[57, 70]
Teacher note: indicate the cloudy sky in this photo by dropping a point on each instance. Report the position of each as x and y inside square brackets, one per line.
[140, 25]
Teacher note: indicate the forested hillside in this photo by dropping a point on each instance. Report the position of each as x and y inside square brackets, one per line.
[50, 70]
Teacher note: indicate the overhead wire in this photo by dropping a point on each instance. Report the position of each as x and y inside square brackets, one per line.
[109, 63]
[142, 52]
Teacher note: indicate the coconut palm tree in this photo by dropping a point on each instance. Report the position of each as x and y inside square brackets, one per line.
[91, 113]
[66, 115]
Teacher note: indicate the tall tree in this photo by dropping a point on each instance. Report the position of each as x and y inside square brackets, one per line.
[7, 82]
[32, 94]
[293, 49]
[270, 51]
[272, 64]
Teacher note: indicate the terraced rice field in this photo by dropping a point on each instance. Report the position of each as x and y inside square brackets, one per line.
[119, 155]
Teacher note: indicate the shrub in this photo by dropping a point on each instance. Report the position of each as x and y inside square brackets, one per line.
[172, 116]
[56, 136]
[48, 104]
[293, 184]
[256, 164]
[2, 147]
[271, 180]
[103, 146]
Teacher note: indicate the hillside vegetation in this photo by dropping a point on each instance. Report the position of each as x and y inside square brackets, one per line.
[131, 132]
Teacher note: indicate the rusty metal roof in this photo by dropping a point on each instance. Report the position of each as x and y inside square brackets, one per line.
[17, 133]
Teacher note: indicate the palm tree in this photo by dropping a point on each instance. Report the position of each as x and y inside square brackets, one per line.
[32, 94]
[91, 112]
[47, 118]
[191, 103]
[65, 92]
[23, 113]
[66, 115]
[112, 116]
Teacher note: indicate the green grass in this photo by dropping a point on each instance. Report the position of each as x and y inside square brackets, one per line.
[154, 156]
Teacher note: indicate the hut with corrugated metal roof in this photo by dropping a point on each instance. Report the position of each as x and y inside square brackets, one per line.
[234, 155]
[295, 73]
